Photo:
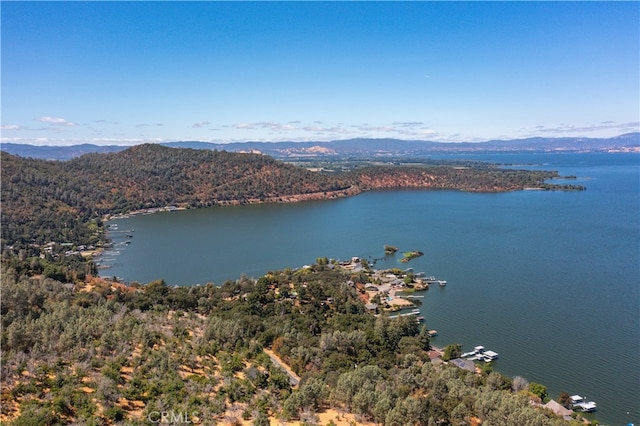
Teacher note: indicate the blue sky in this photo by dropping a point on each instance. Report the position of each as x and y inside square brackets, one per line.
[131, 72]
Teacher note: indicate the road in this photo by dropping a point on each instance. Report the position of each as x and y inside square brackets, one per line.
[293, 377]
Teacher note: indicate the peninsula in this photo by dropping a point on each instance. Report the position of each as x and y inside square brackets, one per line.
[64, 201]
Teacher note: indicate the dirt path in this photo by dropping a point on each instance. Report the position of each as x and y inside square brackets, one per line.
[293, 377]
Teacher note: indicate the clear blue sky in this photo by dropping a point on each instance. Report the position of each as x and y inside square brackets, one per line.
[131, 72]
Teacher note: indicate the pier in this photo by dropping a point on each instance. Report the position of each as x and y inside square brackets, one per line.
[480, 354]
[580, 403]
[116, 230]
[407, 314]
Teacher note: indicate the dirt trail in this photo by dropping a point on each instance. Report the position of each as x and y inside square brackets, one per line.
[293, 377]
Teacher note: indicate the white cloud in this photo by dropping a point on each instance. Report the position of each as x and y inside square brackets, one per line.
[243, 126]
[408, 123]
[263, 125]
[314, 129]
[424, 132]
[278, 126]
[330, 130]
[56, 120]
[200, 124]
[604, 125]
[123, 141]
[385, 129]
[10, 127]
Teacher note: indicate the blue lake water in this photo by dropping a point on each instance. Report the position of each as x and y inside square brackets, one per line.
[549, 280]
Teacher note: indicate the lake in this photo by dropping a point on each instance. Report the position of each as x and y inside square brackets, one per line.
[549, 280]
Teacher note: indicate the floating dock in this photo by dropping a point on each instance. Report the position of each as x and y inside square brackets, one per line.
[580, 403]
[479, 353]
[415, 311]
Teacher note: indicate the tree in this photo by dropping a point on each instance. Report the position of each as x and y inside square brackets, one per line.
[397, 328]
[312, 392]
[261, 419]
[538, 390]
[519, 384]
[452, 351]
[564, 399]
[424, 338]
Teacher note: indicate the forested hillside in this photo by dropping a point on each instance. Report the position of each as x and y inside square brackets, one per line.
[43, 200]
[475, 179]
[103, 353]
[46, 201]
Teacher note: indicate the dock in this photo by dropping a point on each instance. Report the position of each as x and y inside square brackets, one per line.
[580, 403]
[116, 230]
[408, 314]
[479, 353]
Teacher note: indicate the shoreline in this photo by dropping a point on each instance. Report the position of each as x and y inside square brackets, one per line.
[351, 191]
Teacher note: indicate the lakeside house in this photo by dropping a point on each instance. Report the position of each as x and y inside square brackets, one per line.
[558, 410]
[371, 307]
[465, 364]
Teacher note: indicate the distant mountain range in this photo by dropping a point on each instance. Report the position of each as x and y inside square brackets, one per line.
[629, 142]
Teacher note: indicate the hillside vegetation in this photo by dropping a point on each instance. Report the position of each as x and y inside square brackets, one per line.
[473, 179]
[46, 201]
[42, 200]
[102, 353]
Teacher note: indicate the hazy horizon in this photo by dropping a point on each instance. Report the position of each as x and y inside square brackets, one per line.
[78, 143]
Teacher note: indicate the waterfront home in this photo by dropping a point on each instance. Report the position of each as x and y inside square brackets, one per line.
[371, 307]
[558, 409]
[464, 364]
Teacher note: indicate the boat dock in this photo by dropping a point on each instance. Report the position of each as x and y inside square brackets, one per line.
[580, 403]
[408, 314]
[415, 311]
[479, 353]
